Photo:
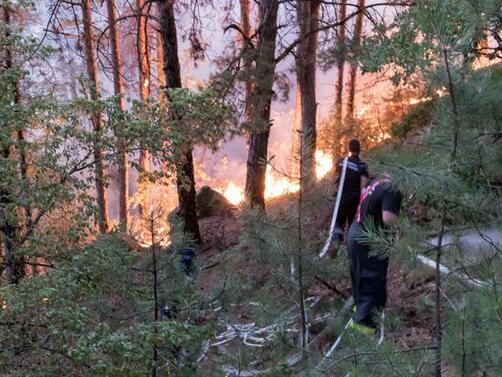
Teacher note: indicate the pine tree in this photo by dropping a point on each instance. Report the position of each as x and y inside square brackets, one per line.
[118, 87]
[185, 169]
[308, 23]
[260, 103]
[96, 117]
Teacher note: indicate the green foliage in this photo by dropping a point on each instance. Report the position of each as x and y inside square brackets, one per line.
[452, 162]
[94, 316]
[86, 305]
[417, 118]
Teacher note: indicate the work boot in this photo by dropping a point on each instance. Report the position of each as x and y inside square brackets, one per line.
[362, 329]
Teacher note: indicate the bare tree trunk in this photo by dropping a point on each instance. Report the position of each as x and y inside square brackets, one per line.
[96, 120]
[308, 20]
[356, 43]
[184, 166]
[118, 86]
[144, 80]
[260, 103]
[246, 52]
[339, 80]
[161, 82]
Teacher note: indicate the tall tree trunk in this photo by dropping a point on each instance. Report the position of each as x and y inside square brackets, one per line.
[260, 103]
[96, 119]
[340, 68]
[184, 166]
[356, 44]
[118, 86]
[308, 21]
[144, 79]
[10, 220]
[161, 82]
[246, 52]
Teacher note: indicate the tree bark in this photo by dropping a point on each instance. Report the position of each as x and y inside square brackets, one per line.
[96, 119]
[339, 80]
[161, 82]
[118, 86]
[246, 52]
[356, 44]
[260, 103]
[144, 80]
[308, 21]
[185, 179]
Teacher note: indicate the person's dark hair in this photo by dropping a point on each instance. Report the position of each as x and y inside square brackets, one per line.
[354, 146]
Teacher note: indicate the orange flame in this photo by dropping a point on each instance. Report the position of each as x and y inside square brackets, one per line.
[277, 185]
[234, 193]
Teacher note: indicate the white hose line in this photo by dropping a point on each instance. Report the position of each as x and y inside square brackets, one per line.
[446, 271]
[335, 211]
[382, 328]
[337, 341]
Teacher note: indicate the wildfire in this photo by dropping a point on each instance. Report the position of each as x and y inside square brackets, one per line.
[440, 92]
[277, 185]
[234, 193]
[324, 164]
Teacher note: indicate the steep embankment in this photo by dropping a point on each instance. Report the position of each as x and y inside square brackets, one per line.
[252, 261]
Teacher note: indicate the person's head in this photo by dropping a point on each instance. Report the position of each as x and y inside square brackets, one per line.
[354, 147]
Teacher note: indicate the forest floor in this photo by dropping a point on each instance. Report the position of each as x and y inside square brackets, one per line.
[409, 313]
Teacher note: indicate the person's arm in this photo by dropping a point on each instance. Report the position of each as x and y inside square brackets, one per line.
[389, 218]
[391, 204]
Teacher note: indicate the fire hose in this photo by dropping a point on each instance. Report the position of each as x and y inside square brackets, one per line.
[336, 209]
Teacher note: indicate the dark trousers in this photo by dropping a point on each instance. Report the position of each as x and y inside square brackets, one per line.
[369, 279]
[346, 214]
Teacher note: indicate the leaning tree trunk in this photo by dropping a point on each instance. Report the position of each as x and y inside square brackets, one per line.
[118, 87]
[144, 80]
[340, 67]
[96, 119]
[308, 22]
[356, 43]
[185, 179]
[260, 103]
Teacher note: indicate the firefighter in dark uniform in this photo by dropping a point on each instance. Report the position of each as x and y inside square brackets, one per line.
[356, 177]
[380, 204]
